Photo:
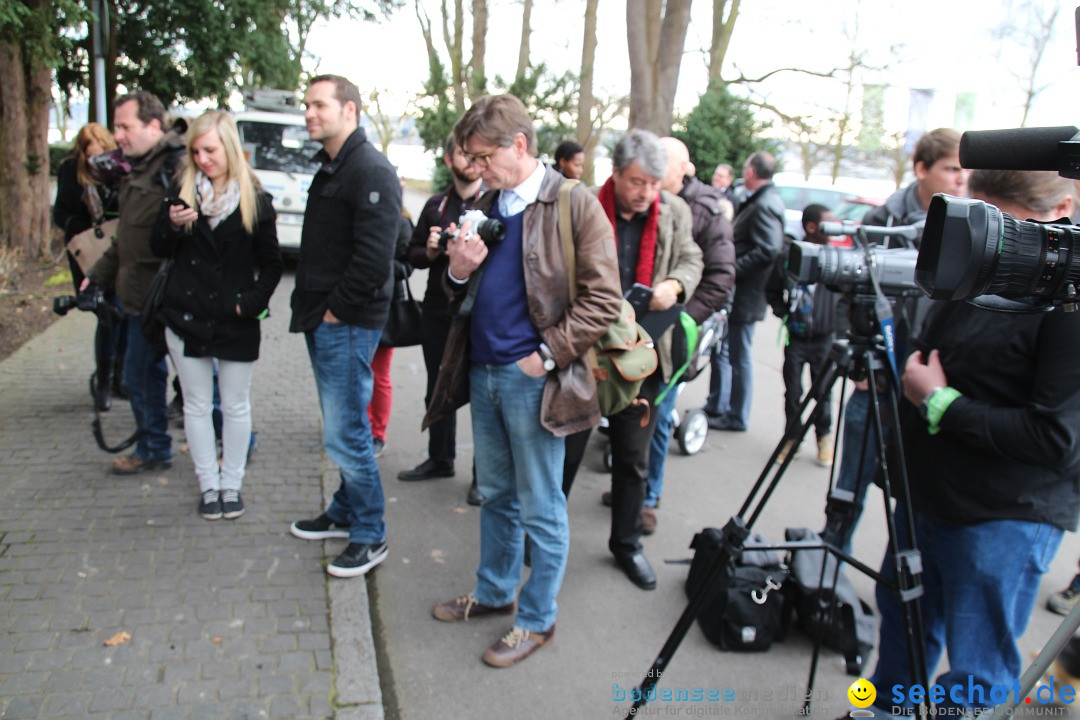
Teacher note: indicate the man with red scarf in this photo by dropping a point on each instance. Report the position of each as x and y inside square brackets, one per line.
[655, 248]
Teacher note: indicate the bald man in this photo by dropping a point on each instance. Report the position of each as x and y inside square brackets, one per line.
[713, 234]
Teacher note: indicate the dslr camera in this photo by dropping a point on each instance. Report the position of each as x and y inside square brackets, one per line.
[92, 299]
[490, 230]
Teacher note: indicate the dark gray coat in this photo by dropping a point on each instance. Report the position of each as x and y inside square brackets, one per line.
[759, 236]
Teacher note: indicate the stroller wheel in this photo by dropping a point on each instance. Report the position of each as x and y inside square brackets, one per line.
[692, 431]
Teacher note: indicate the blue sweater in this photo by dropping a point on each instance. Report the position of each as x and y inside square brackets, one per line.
[500, 330]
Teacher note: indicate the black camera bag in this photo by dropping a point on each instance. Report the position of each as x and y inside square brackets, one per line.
[749, 614]
[842, 619]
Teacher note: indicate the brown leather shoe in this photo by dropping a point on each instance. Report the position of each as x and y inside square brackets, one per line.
[466, 607]
[132, 465]
[515, 646]
[648, 520]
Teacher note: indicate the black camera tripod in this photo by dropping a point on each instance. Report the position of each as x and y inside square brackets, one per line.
[864, 355]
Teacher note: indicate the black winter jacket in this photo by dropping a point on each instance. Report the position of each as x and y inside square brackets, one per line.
[347, 245]
[712, 232]
[1009, 448]
[759, 235]
[214, 272]
[439, 211]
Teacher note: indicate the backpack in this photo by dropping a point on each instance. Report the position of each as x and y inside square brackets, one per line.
[624, 355]
[749, 614]
[842, 620]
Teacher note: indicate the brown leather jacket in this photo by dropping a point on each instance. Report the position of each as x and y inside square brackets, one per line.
[569, 403]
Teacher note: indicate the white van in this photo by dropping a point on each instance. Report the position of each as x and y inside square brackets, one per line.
[281, 153]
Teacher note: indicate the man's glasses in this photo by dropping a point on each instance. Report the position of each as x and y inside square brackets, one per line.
[483, 159]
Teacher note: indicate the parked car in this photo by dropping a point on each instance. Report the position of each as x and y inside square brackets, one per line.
[276, 143]
[796, 196]
[853, 209]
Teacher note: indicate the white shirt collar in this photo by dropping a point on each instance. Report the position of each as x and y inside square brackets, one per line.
[524, 194]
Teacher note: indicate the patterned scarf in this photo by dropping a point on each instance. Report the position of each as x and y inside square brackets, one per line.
[216, 207]
[647, 248]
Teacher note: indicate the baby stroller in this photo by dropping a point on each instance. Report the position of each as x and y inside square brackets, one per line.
[693, 344]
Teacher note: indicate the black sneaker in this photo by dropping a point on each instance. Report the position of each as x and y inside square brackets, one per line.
[357, 559]
[232, 505]
[210, 505]
[321, 528]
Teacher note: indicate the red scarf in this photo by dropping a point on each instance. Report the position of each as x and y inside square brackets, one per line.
[647, 247]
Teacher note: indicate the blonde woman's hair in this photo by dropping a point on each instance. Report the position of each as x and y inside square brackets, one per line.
[90, 132]
[239, 169]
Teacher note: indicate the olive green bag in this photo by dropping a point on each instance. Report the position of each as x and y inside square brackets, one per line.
[624, 355]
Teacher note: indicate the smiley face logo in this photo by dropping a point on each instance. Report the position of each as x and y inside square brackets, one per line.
[862, 693]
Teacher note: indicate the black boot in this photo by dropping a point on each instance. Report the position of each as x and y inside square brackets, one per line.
[103, 380]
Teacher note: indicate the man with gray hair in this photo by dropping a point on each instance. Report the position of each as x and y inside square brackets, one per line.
[759, 235]
[655, 249]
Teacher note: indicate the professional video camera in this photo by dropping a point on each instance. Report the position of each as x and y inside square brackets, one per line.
[91, 299]
[855, 270]
[490, 230]
[971, 248]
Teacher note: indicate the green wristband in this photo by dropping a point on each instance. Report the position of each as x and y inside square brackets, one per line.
[937, 405]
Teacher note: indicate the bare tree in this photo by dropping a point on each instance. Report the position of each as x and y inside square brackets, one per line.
[655, 35]
[526, 36]
[1031, 28]
[586, 101]
[477, 73]
[725, 13]
[387, 124]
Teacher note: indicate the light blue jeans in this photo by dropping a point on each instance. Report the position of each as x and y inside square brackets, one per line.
[980, 582]
[658, 448]
[519, 468]
[341, 359]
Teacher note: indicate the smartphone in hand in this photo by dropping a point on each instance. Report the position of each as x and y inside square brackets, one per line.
[170, 201]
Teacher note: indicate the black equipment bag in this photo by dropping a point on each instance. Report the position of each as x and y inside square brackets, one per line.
[853, 627]
[749, 614]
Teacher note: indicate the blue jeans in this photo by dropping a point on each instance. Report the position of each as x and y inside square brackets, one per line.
[658, 447]
[731, 387]
[980, 582]
[851, 475]
[341, 358]
[519, 467]
[145, 378]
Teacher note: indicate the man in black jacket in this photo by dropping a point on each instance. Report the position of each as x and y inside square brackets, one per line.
[439, 211]
[759, 234]
[341, 300]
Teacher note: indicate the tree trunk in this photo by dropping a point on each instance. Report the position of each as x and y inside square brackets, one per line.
[39, 98]
[453, 47]
[477, 76]
[722, 30]
[15, 192]
[526, 36]
[655, 49]
[586, 101]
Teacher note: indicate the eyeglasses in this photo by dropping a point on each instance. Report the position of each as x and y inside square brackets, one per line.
[479, 158]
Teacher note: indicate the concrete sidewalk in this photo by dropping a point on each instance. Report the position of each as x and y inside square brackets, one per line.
[238, 620]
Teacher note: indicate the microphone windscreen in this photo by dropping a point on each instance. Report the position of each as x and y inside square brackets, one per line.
[1014, 149]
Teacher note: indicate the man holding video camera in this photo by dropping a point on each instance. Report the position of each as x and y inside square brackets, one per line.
[129, 265]
[992, 443]
[514, 353]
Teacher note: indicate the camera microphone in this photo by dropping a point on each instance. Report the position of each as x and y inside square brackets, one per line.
[1022, 149]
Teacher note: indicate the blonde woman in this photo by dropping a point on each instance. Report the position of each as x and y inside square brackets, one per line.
[222, 233]
[81, 201]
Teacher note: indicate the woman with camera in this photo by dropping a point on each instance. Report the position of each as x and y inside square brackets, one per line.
[83, 201]
[219, 226]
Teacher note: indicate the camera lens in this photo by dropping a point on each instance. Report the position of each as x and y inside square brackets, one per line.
[491, 230]
[971, 248]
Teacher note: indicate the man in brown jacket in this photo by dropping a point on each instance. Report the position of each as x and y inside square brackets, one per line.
[129, 265]
[515, 353]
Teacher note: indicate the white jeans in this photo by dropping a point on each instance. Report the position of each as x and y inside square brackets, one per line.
[234, 385]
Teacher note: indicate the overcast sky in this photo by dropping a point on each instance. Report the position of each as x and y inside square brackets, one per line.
[942, 45]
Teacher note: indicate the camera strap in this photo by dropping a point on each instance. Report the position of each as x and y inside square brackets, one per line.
[887, 323]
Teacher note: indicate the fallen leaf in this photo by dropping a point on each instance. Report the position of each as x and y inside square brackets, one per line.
[215, 639]
[460, 510]
[81, 574]
[118, 639]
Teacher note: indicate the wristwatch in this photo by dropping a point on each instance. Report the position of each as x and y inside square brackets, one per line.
[924, 406]
[545, 354]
